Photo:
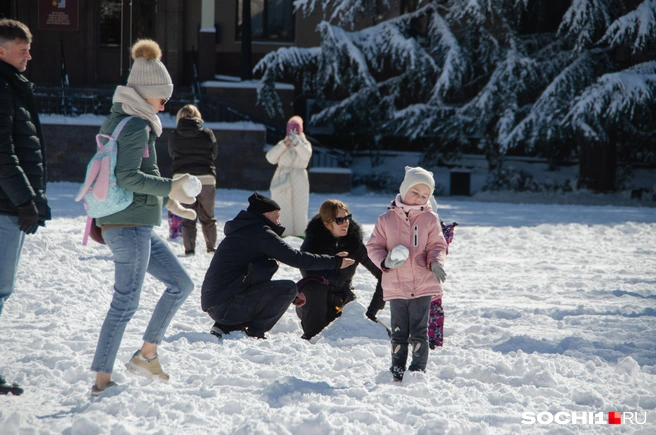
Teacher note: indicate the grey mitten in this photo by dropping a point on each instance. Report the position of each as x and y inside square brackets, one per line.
[396, 257]
[438, 271]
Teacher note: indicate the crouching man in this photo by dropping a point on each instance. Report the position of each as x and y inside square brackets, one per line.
[237, 291]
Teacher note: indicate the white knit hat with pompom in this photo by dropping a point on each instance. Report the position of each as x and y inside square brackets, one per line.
[148, 76]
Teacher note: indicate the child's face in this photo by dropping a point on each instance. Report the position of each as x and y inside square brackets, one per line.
[417, 195]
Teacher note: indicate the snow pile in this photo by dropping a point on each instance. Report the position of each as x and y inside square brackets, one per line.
[548, 308]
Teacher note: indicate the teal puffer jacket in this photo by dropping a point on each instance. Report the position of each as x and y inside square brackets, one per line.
[136, 171]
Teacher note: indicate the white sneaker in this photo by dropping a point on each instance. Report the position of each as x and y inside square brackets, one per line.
[140, 366]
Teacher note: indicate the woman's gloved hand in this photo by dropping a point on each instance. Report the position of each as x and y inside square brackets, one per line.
[178, 192]
[174, 207]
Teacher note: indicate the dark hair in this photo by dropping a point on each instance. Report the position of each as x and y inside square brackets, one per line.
[10, 30]
[330, 208]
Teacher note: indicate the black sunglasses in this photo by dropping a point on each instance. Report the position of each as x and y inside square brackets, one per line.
[341, 220]
[164, 101]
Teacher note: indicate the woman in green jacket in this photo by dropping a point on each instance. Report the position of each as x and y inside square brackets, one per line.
[129, 234]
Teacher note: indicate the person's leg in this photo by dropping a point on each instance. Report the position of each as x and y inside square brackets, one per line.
[175, 223]
[269, 301]
[400, 325]
[165, 267]
[377, 302]
[313, 314]
[12, 241]
[205, 210]
[418, 320]
[232, 315]
[189, 230]
[131, 250]
[436, 324]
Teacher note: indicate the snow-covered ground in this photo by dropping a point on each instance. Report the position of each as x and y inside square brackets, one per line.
[550, 310]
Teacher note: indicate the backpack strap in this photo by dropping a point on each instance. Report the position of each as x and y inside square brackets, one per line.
[119, 127]
[87, 230]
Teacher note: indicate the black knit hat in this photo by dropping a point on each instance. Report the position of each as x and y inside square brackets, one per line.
[261, 204]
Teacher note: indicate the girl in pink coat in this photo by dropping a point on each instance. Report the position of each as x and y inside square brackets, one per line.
[408, 244]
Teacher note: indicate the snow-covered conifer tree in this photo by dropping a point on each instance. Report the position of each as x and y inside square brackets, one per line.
[492, 72]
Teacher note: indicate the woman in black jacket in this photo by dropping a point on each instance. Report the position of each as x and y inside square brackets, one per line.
[193, 149]
[332, 231]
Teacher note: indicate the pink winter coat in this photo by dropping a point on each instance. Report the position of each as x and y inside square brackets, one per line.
[421, 233]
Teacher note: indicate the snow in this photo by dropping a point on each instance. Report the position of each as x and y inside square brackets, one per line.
[549, 308]
[168, 121]
[246, 84]
[331, 170]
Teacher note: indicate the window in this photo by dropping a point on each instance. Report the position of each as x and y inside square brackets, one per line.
[110, 23]
[271, 20]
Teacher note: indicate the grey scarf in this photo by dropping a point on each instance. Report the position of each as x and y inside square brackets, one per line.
[134, 104]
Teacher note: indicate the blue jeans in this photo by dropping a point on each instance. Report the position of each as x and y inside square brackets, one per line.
[12, 241]
[138, 250]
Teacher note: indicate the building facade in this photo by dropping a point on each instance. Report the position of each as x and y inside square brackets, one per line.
[93, 37]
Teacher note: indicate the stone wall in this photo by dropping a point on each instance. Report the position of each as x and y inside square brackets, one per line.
[240, 164]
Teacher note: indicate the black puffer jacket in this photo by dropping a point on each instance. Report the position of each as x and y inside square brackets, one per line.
[22, 148]
[319, 240]
[193, 148]
[247, 257]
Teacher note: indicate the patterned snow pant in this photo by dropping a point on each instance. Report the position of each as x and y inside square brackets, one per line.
[175, 226]
[436, 324]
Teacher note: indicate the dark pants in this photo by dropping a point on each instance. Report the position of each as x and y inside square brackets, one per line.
[321, 308]
[204, 208]
[259, 307]
[410, 325]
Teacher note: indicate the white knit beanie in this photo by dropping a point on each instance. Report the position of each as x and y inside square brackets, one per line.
[414, 176]
[148, 76]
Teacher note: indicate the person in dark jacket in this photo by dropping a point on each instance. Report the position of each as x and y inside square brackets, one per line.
[326, 292]
[194, 150]
[237, 291]
[23, 201]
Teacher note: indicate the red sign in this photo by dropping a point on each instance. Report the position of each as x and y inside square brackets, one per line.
[58, 14]
[614, 418]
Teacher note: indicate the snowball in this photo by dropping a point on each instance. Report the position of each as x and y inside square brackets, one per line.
[399, 253]
[192, 187]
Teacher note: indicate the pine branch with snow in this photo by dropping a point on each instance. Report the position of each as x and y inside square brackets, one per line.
[625, 95]
[636, 29]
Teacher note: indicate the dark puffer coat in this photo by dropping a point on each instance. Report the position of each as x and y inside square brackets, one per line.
[193, 148]
[247, 256]
[22, 148]
[319, 240]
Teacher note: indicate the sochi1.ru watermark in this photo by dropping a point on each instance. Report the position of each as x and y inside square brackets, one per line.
[573, 417]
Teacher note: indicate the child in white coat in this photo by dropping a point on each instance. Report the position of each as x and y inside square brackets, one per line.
[408, 244]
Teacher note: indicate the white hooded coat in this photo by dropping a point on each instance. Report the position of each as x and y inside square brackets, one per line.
[294, 198]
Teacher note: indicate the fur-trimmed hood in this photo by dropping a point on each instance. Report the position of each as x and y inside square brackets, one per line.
[319, 240]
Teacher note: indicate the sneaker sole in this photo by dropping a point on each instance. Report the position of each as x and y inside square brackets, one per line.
[140, 371]
[95, 392]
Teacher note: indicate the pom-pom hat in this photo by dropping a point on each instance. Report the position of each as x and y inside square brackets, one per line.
[414, 176]
[148, 76]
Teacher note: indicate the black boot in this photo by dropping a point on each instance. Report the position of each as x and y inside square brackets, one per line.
[397, 373]
[6, 388]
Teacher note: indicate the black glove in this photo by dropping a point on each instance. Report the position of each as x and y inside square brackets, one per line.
[28, 217]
